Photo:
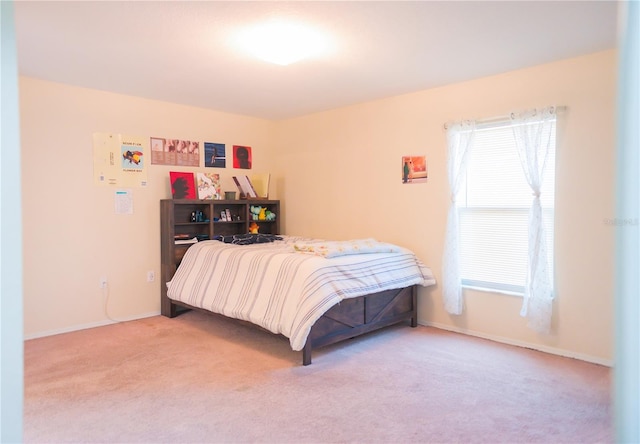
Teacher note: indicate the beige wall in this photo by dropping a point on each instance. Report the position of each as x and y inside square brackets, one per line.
[72, 235]
[343, 180]
[338, 175]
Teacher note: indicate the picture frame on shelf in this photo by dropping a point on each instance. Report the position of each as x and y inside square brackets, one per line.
[208, 185]
[260, 183]
[182, 185]
[243, 183]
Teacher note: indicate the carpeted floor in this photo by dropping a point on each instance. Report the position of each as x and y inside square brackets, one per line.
[204, 379]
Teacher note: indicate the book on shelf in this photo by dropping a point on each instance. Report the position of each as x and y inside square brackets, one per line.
[245, 187]
[184, 239]
[193, 240]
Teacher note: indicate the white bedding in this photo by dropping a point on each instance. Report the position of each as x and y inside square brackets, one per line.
[331, 249]
[282, 290]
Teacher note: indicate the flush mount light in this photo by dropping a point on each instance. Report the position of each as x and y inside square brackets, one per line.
[282, 43]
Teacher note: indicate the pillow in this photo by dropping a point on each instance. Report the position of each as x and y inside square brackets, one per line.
[331, 249]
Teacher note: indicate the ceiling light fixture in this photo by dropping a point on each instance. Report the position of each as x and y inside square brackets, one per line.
[282, 43]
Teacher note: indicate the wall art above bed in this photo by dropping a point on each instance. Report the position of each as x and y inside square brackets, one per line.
[414, 169]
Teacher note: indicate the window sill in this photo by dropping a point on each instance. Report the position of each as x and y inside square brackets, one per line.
[493, 290]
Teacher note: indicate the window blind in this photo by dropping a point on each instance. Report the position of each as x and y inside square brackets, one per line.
[493, 208]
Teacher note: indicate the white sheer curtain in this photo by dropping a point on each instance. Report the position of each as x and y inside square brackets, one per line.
[532, 132]
[459, 140]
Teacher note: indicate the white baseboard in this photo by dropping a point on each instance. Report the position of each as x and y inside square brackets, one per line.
[538, 347]
[90, 325]
[509, 341]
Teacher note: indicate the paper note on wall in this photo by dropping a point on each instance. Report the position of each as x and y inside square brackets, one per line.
[124, 202]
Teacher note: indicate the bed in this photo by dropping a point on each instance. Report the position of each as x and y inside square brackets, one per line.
[312, 291]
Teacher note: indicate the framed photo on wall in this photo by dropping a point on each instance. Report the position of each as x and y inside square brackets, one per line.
[215, 155]
[242, 157]
[414, 169]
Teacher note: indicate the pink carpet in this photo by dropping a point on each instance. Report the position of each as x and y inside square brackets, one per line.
[203, 379]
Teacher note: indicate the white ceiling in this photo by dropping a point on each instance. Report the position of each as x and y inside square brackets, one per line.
[179, 51]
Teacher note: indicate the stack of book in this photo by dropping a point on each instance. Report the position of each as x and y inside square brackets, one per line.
[183, 239]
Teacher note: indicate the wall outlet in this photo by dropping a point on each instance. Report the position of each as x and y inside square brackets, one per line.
[103, 282]
[151, 276]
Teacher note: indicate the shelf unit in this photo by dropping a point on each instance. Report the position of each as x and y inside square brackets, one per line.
[176, 217]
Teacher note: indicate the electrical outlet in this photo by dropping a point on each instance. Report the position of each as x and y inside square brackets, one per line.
[151, 276]
[103, 282]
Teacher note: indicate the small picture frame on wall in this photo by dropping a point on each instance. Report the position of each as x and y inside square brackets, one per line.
[182, 185]
[215, 155]
[242, 157]
[414, 169]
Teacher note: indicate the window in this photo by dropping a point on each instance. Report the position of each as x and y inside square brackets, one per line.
[493, 209]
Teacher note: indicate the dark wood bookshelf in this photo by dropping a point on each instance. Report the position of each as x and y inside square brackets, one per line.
[176, 219]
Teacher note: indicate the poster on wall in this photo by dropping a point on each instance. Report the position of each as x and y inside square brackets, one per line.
[414, 169]
[242, 157]
[175, 152]
[214, 155]
[119, 160]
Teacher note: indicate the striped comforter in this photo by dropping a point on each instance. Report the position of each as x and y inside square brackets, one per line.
[285, 291]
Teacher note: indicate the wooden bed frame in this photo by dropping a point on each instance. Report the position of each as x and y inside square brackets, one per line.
[348, 319]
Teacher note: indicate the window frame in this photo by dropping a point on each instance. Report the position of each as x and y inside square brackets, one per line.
[548, 209]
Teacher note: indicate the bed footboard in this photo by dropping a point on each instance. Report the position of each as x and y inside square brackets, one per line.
[364, 314]
[348, 319]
